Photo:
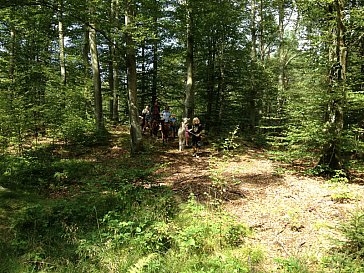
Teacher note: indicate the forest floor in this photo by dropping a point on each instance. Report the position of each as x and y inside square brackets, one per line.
[291, 214]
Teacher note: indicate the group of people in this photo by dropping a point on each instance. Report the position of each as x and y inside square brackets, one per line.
[154, 114]
[166, 117]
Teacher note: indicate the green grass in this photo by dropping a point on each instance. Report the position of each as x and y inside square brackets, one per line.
[73, 215]
[68, 214]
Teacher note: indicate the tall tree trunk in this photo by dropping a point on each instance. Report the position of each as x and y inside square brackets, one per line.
[155, 57]
[190, 92]
[96, 79]
[12, 54]
[135, 130]
[85, 57]
[221, 85]
[252, 92]
[331, 155]
[281, 58]
[111, 79]
[155, 72]
[115, 63]
[143, 78]
[253, 29]
[261, 31]
[62, 58]
[210, 81]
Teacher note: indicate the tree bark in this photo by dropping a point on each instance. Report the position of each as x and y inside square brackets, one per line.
[253, 30]
[135, 130]
[211, 82]
[62, 59]
[261, 31]
[96, 79]
[155, 72]
[155, 59]
[252, 91]
[115, 63]
[331, 154]
[190, 92]
[85, 57]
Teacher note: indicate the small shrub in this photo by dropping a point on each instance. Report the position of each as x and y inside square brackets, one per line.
[229, 143]
[341, 197]
[292, 265]
[339, 177]
[347, 256]
[236, 234]
[354, 234]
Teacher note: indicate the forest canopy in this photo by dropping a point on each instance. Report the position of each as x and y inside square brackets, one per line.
[290, 74]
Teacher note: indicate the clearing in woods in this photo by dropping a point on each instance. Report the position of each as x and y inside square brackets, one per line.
[291, 214]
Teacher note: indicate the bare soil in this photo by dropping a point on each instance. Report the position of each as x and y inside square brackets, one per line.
[291, 214]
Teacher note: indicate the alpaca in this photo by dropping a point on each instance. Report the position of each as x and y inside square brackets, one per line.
[182, 133]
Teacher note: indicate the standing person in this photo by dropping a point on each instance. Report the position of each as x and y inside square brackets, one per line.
[156, 111]
[195, 131]
[156, 118]
[173, 122]
[166, 115]
[146, 118]
[165, 126]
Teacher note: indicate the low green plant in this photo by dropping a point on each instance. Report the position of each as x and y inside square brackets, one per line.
[339, 176]
[230, 142]
[341, 263]
[342, 196]
[347, 256]
[291, 265]
[353, 230]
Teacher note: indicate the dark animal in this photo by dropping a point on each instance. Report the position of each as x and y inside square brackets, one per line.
[154, 127]
[165, 128]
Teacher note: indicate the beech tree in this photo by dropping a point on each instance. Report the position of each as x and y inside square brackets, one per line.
[337, 60]
[135, 130]
[287, 72]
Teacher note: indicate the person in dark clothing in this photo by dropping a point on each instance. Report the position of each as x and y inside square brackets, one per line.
[156, 111]
[195, 132]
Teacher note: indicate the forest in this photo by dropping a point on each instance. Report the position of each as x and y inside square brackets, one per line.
[279, 88]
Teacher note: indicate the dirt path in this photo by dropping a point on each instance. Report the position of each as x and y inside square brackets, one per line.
[291, 214]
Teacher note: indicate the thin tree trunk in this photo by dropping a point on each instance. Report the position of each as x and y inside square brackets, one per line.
[12, 54]
[135, 130]
[96, 79]
[115, 63]
[261, 31]
[331, 155]
[282, 57]
[210, 81]
[155, 72]
[143, 77]
[253, 30]
[252, 96]
[62, 59]
[221, 86]
[85, 57]
[190, 92]
[155, 59]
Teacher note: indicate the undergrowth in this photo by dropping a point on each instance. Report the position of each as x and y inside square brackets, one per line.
[72, 214]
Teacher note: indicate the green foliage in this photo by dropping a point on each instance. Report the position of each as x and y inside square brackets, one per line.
[40, 170]
[339, 177]
[292, 265]
[354, 234]
[348, 255]
[229, 143]
[77, 130]
[339, 263]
